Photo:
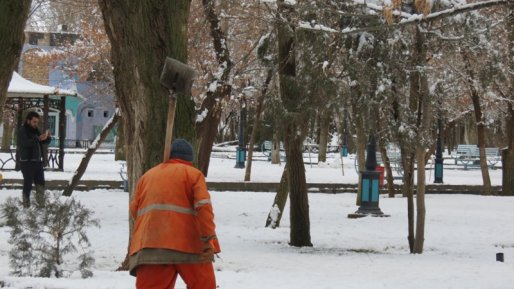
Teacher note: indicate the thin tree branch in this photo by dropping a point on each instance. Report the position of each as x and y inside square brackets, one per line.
[414, 19]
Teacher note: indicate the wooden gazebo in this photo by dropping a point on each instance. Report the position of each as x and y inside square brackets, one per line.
[24, 94]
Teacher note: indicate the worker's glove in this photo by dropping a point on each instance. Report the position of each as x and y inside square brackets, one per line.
[207, 254]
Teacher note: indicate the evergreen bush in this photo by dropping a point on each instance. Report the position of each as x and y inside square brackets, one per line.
[42, 235]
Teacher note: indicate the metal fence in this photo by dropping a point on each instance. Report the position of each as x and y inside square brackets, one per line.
[74, 143]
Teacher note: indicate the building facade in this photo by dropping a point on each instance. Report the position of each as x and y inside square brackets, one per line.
[85, 116]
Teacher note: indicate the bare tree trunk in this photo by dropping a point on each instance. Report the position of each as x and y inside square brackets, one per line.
[275, 152]
[300, 224]
[142, 35]
[324, 127]
[412, 149]
[119, 154]
[13, 17]
[275, 214]
[508, 155]
[361, 149]
[385, 158]
[479, 120]
[408, 191]
[8, 130]
[185, 120]
[291, 98]
[387, 164]
[111, 123]
[256, 124]
[207, 129]
[420, 202]
[508, 152]
[431, 151]
[420, 92]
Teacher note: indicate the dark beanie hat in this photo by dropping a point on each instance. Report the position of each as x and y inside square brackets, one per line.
[181, 149]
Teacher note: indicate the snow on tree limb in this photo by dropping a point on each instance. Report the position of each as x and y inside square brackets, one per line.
[413, 19]
[90, 151]
[419, 18]
[376, 7]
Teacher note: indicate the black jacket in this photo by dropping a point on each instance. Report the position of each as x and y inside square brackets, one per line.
[29, 145]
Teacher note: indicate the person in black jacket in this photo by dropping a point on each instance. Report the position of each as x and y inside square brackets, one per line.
[30, 151]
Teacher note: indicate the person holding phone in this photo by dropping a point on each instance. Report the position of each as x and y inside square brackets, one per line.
[30, 150]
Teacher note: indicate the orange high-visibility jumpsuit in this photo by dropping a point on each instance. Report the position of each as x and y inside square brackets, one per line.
[172, 210]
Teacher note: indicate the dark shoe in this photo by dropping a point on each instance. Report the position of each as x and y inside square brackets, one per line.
[40, 195]
[26, 201]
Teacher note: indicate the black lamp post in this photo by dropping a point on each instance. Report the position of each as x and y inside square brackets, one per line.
[370, 185]
[344, 146]
[438, 171]
[241, 149]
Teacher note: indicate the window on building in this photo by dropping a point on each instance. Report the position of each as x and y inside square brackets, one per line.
[52, 124]
[33, 39]
[106, 114]
[90, 113]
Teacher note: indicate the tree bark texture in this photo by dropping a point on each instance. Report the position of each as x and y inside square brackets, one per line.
[119, 154]
[382, 145]
[387, 164]
[420, 92]
[256, 124]
[142, 35]
[207, 129]
[13, 17]
[413, 150]
[408, 192]
[275, 151]
[508, 157]
[8, 124]
[300, 223]
[479, 121]
[324, 127]
[420, 201]
[279, 203]
[508, 152]
[361, 150]
[294, 134]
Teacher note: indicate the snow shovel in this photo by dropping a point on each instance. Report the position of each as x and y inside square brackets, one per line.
[178, 78]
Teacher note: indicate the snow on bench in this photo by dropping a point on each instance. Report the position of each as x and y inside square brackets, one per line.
[493, 157]
[267, 149]
[468, 155]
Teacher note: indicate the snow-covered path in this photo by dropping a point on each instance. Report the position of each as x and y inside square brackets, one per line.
[103, 167]
[463, 234]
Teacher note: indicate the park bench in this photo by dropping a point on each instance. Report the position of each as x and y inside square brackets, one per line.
[314, 148]
[267, 149]
[493, 157]
[467, 155]
[395, 162]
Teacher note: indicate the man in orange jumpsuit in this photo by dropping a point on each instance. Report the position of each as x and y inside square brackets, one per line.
[174, 232]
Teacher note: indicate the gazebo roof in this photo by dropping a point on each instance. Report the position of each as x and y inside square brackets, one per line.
[21, 87]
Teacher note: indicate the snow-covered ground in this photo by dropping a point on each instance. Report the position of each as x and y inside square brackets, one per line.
[463, 233]
[103, 167]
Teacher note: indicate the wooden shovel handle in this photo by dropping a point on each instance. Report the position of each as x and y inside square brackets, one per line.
[172, 103]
